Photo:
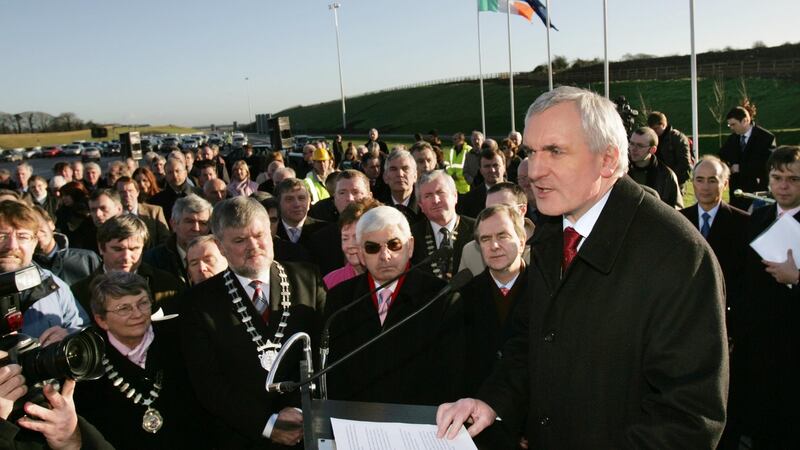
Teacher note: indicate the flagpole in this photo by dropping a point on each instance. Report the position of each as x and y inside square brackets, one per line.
[510, 70]
[605, 47]
[549, 62]
[695, 132]
[480, 73]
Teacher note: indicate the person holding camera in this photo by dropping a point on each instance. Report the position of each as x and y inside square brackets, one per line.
[48, 311]
[57, 427]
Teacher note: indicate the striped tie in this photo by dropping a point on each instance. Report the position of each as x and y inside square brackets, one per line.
[260, 300]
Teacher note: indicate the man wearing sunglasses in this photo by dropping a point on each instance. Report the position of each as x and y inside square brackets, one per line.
[648, 170]
[418, 363]
[142, 400]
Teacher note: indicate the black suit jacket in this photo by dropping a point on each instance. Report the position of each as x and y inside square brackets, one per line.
[608, 353]
[473, 202]
[167, 197]
[166, 257]
[764, 360]
[324, 210]
[310, 226]
[222, 360]
[728, 239]
[416, 364]
[752, 162]
[412, 211]
[421, 230]
[326, 248]
[120, 420]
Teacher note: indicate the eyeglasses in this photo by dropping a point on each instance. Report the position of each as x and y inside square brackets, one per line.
[22, 237]
[144, 307]
[394, 245]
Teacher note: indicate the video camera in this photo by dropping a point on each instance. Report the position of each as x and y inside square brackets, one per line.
[78, 356]
[627, 113]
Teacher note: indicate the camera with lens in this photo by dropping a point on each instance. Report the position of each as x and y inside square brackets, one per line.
[78, 356]
[627, 113]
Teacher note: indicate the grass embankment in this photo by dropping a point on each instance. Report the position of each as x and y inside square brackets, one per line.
[37, 139]
[456, 107]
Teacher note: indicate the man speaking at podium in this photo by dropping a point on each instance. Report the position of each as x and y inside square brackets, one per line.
[421, 361]
[624, 346]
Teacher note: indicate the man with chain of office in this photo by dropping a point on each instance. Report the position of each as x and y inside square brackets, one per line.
[236, 322]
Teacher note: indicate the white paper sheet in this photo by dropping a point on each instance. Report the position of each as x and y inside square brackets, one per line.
[358, 435]
[781, 236]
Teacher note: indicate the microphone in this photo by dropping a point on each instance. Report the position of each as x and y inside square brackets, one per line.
[459, 281]
[753, 196]
[443, 252]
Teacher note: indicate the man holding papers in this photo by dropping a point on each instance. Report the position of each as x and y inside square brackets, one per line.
[763, 364]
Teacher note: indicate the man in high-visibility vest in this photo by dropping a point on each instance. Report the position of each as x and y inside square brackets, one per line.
[454, 160]
[315, 178]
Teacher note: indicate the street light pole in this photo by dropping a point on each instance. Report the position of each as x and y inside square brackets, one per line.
[335, 7]
[249, 109]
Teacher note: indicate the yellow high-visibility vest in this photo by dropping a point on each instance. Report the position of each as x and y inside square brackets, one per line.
[455, 167]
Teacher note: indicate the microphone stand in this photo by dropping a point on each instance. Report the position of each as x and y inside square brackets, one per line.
[458, 281]
[324, 346]
[309, 365]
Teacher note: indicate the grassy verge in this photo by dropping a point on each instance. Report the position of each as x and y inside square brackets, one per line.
[36, 139]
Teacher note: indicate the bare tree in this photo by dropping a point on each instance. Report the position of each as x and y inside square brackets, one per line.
[718, 107]
[18, 119]
[29, 117]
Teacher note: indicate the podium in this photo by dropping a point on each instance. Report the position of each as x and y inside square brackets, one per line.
[317, 418]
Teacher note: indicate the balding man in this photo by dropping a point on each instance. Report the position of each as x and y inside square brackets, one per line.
[215, 190]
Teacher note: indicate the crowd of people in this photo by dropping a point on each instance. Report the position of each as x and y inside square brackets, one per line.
[600, 313]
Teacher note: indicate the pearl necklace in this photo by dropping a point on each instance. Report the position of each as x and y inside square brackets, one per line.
[267, 351]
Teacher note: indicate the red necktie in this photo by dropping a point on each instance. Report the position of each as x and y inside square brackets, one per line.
[504, 291]
[571, 240]
[260, 302]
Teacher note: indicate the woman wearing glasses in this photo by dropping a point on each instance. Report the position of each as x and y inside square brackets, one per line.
[143, 399]
[419, 362]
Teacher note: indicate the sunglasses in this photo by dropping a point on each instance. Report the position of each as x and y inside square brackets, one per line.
[394, 245]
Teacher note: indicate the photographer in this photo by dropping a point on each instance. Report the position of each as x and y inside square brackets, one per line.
[48, 311]
[57, 427]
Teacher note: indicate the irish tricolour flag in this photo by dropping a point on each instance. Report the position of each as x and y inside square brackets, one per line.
[519, 8]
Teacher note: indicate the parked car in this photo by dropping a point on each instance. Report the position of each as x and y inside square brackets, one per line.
[33, 152]
[239, 141]
[13, 155]
[51, 151]
[111, 149]
[189, 143]
[72, 150]
[91, 154]
[169, 143]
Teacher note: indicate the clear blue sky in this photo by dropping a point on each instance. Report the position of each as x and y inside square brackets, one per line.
[185, 62]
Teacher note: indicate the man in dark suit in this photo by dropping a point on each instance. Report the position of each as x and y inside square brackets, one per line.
[492, 296]
[609, 355]
[151, 215]
[294, 200]
[493, 171]
[235, 322]
[746, 151]
[400, 174]
[190, 217]
[723, 226]
[437, 197]
[419, 363]
[764, 360]
[326, 243]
